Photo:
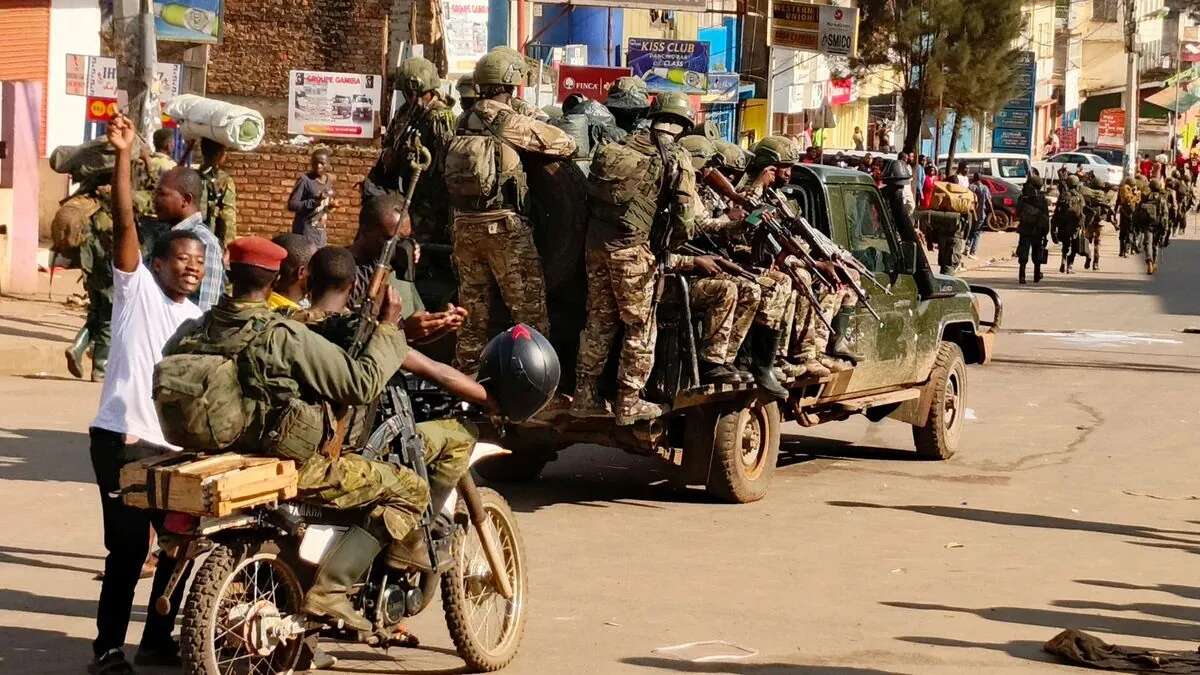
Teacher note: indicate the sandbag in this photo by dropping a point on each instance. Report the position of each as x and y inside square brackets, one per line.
[952, 197]
[233, 126]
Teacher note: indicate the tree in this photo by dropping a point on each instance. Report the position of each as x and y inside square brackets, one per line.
[980, 57]
[945, 53]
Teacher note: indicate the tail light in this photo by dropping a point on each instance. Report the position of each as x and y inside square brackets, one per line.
[180, 523]
[1008, 201]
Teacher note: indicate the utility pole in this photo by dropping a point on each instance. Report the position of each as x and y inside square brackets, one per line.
[1132, 98]
[137, 55]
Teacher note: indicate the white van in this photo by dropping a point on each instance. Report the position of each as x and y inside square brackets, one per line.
[1008, 166]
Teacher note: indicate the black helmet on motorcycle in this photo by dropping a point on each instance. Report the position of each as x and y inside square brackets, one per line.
[520, 370]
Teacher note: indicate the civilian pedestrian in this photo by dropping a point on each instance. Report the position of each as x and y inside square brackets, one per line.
[983, 212]
[291, 285]
[931, 175]
[312, 199]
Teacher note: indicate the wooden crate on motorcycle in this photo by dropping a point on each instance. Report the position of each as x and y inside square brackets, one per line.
[212, 485]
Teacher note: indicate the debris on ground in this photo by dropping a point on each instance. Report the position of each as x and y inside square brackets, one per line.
[1081, 649]
[708, 651]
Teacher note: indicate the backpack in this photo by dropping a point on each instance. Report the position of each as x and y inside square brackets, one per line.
[1149, 213]
[623, 186]
[482, 170]
[71, 221]
[1071, 204]
[198, 391]
[952, 197]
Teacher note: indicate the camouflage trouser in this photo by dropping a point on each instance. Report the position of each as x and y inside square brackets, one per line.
[620, 288]
[950, 250]
[395, 494]
[1154, 238]
[801, 318]
[728, 308]
[1092, 235]
[98, 281]
[497, 251]
[777, 297]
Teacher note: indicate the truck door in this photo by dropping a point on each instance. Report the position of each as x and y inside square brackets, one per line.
[888, 351]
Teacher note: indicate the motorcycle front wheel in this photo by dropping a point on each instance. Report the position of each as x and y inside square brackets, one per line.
[486, 627]
[240, 603]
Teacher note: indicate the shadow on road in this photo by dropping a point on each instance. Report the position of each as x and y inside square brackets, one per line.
[24, 601]
[800, 449]
[13, 555]
[33, 650]
[1032, 520]
[1189, 592]
[660, 663]
[43, 454]
[1021, 649]
[1075, 364]
[1055, 619]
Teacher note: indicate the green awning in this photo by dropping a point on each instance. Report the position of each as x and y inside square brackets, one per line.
[1175, 98]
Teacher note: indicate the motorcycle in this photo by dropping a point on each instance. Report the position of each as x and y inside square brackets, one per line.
[243, 612]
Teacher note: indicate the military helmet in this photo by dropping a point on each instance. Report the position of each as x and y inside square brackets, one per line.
[673, 105]
[417, 75]
[730, 156]
[1072, 181]
[1156, 185]
[775, 150]
[700, 148]
[627, 93]
[1035, 182]
[466, 87]
[500, 66]
[520, 370]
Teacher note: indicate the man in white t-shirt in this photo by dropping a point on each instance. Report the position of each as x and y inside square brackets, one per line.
[149, 304]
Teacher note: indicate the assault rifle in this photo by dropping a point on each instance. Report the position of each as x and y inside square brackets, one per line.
[663, 228]
[724, 263]
[419, 161]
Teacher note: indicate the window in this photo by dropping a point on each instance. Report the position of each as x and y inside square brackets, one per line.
[1012, 168]
[869, 238]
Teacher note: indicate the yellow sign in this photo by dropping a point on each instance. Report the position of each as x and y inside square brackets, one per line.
[828, 29]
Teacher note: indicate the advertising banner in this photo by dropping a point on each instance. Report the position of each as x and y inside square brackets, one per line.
[333, 105]
[828, 29]
[1068, 138]
[665, 5]
[591, 81]
[1013, 125]
[100, 80]
[722, 88]
[193, 21]
[466, 33]
[669, 65]
[1110, 132]
[841, 91]
[101, 109]
[77, 66]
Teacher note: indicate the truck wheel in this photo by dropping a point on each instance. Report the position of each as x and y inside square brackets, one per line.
[938, 439]
[517, 467]
[745, 449]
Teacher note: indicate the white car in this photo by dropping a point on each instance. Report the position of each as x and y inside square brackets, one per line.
[1108, 174]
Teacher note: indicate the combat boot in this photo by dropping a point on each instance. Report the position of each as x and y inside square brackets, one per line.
[99, 366]
[834, 364]
[1021, 275]
[793, 370]
[1037, 274]
[631, 408]
[1062, 267]
[763, 344]
[815, 368]
[716, 373]
[840, 346]
[340, 569]
[75, 352]
[587, 402]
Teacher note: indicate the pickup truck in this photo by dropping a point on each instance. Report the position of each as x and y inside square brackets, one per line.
[726, 437]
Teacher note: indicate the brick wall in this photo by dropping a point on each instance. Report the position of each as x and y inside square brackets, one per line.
[265, 177]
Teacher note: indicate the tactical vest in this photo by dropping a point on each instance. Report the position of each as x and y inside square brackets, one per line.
[623, 190]
[212, 393]
[482, 169]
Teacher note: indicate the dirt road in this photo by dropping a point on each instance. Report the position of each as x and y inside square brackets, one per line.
[1072, 504]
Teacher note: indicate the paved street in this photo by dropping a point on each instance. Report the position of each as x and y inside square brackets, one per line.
[1071, 504]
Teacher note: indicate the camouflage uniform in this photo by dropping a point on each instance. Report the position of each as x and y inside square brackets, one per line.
[430, 212]
[621, 269]
[523, 107]
[1097, 204]
[159, 163]
[495, 246]
[1128, 197]
[218, 204]
[95, 261]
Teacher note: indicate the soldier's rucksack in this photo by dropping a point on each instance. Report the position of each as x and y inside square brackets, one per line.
[71, 222]
[1070, 205]
[482, 170]
[198, 391]
[1149, 213]
[623, 186]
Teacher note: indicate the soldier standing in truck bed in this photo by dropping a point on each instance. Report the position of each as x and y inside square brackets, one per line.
[486, 185]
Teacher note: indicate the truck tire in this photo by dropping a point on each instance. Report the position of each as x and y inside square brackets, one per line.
[938, 438]
[745, 449]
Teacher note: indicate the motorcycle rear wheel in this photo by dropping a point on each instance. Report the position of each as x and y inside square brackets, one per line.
[486, 627]
[231, 577]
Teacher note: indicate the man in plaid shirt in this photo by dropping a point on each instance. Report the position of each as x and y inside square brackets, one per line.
[176, 200]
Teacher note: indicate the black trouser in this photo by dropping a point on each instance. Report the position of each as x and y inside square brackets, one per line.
[1125, 232]
[127, 539]
[1028, 246]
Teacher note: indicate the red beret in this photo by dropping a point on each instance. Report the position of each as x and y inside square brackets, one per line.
[256, 251]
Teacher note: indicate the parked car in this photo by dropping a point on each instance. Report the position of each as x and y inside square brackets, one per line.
[1074, 161]
[1114, 156]
[1012, 167]
[1004, 203]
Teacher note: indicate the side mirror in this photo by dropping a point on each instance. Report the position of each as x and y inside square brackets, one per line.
[908, 257]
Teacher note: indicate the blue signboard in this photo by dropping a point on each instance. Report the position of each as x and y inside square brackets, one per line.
[669, 65]
[195, 21]
[1013, 124]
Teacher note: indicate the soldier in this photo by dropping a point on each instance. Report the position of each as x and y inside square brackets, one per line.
[1151, 221]
[485, 182]
[219, 202]
[295, 372]
[1068, 221]
[95, 262]
[627, 184]
[423, 117]
[1095, 211]
[628, 101]
[518, 104]
[731, 160]
[1183, 199]
[1032, 228]
[1128, 197]
[468, 93]
[155, 164]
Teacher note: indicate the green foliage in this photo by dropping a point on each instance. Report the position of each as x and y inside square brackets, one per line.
[947, 53]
